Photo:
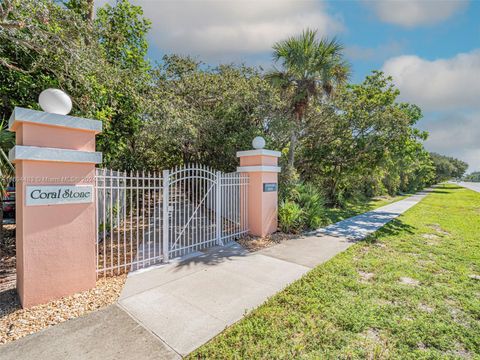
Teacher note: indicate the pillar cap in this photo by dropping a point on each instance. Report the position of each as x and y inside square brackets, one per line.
[36, 153]
[20, 115]
[257, 152]
[258, 168]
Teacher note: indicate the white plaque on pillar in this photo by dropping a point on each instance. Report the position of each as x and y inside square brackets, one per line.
[61, 194]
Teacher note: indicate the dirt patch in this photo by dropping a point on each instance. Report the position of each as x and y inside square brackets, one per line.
[16, 322]
[409, 281]
[433, 239]
[372, 334]
[385, 302]
[425, 308]
[459, 316]
[374, 344]
[365, 276]
[412, 254]
[255, 243]
[438, 229]
[422, 346]
[460, 352]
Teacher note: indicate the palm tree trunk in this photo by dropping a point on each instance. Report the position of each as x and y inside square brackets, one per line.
[294, 138]
[291, 150]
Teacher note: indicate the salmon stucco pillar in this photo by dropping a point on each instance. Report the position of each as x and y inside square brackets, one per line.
[55, 162]
[262, 168]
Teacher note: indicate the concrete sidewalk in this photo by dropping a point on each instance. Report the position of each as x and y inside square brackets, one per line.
[188, 303]
[107, 334]
[359, 227]
[177, 307]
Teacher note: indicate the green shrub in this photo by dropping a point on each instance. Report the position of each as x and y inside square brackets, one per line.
[288, 180]
[313, 217]
[290, 216]
[301, 209]
[312, 203]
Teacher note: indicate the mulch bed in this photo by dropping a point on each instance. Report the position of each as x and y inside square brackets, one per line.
[16, 322]
[255, 243]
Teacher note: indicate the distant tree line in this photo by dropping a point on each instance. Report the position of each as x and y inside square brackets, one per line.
[447, 168]
[345, 140]
[473, 177]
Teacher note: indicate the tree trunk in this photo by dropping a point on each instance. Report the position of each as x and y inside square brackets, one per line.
[294, 138]
[90, 10]
[291, 150]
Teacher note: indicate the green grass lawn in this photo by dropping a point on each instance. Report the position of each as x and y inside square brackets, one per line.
[408, 292]
[333, 215]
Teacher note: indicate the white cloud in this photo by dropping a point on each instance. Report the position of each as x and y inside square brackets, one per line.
[214, 29]
[448, 91]
[455, 134]
[411, 13]
[442, 84]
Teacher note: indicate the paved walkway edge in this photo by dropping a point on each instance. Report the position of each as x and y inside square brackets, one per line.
[361, 226]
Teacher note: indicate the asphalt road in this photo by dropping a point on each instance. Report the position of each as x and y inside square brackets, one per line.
[469, 185]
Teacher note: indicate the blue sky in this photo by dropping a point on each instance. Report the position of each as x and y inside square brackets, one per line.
[430, 47]
[444, 39]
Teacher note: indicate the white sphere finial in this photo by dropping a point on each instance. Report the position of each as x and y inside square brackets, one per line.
[55, 101]
[258, 143]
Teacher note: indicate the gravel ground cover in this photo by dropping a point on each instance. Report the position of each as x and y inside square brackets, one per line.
[254, 243]
[16, 322]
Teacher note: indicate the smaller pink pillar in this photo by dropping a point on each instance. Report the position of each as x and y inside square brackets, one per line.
[261, 167]
[55, 162]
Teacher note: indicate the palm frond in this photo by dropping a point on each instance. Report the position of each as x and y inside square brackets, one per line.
[278, 78]
[309, 65]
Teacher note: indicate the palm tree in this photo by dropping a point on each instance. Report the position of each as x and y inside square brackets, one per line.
[309, 68]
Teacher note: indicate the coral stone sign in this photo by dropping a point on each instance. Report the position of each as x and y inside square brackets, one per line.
[55, 195]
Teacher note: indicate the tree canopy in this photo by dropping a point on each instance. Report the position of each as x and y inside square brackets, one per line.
[350, 140]
[473, 177]
[447, 168]
[363, 141]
